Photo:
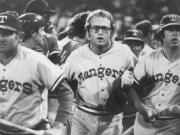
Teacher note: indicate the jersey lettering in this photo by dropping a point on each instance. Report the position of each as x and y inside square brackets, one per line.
[100, 73]
[16, 86]
[3, 18]
[168, 78]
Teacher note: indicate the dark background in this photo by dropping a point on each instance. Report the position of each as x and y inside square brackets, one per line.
[136, 10]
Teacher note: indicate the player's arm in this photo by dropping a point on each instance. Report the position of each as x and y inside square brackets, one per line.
[64, 113]
[135, 92]
[52, 77]
[147, 112]
[54, 50]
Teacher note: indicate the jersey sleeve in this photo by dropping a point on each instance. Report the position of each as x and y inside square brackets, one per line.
[48, 73]
[69, 68]
[140, 70]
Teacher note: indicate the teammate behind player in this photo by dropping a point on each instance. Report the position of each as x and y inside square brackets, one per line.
[158, 75]
[24, 75]
[95, 66]
[33, 28]
[42, 8]
[76, 34]
[134, 39]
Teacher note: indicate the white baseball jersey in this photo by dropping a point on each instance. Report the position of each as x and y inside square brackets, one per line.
[96, 73]
[22, 82]
[145, 51]
[165, 93]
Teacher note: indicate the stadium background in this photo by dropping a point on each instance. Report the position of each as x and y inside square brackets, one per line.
[125, 12]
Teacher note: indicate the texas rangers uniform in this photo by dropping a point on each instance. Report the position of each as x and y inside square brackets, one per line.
[164, 94]
[95, 75]
[22, 82]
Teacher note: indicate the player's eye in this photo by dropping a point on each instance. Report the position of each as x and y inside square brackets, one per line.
[5, 32]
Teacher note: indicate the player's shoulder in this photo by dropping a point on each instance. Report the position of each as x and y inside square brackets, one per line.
[152, 56]
[155, 53]
[120, 47]
[79, 51]
[28, 53]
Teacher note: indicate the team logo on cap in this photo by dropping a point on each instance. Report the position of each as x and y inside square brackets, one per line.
[3, 18]
[172, 18]
[134, 32]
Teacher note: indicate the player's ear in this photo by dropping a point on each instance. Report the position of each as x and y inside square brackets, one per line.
[88, 34]
[21, 35]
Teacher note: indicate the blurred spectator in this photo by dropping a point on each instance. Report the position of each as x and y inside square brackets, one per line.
[127, 23]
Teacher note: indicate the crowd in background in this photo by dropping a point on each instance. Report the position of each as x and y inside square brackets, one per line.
[126, 12]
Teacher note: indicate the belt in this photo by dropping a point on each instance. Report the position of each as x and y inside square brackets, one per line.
[166, 117]
[93, 111]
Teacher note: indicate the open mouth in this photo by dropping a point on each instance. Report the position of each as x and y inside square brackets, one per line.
[100, 38]
[174, 40]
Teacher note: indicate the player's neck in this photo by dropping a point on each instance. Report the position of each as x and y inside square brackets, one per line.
[172, 54]
[6, 58]
[100, 49]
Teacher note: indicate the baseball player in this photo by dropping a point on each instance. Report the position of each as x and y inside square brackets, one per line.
[158, 73]
[134, 39]
[33, 28]
[76, 34]
[42, 8]
[24, 74]
[96, 66]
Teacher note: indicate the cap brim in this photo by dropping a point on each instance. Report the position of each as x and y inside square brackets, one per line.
[132, 38]
[171, 24]
[7, 28]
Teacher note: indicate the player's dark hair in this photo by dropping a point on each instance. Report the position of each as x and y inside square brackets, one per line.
[76, 25]
[145, 26]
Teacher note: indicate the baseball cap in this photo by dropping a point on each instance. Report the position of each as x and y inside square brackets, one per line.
[133, 34]
[10, 21]
[169, 20]
[39, 7]
[145, 26]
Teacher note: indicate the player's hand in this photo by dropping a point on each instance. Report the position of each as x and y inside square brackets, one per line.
[127, 79]
[56, 130]
[171, 111]
[148, 113]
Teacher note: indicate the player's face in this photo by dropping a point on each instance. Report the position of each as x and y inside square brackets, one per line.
[38, 36]
[172, 36]
[100, 32]
[8, 41]
[136, 46]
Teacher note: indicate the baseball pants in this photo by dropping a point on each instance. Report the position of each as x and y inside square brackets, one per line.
[89, 124]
